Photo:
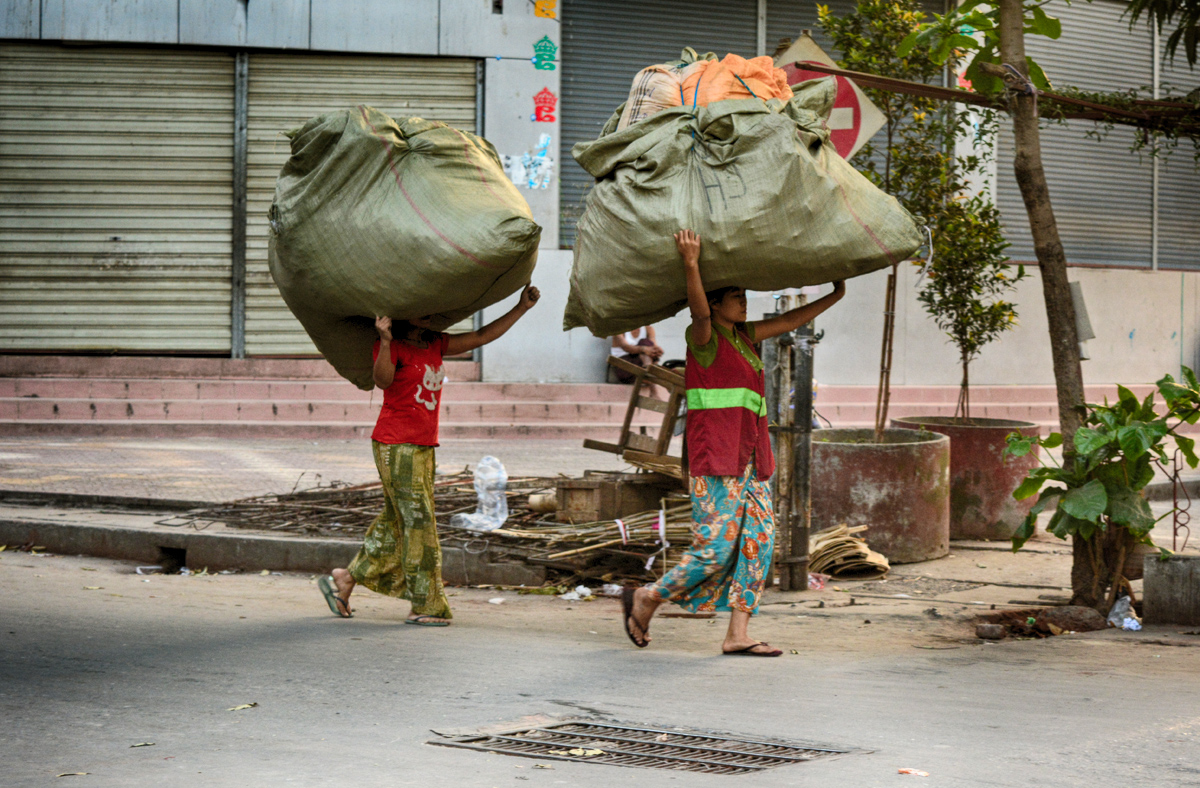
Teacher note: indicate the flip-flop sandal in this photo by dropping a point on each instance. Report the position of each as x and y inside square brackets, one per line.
[627, 610]
[335, 602]
[425, 621]
[749, 651]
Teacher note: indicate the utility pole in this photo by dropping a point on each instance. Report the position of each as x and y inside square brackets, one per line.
[778, 386]
[801, 502]
[789, 383]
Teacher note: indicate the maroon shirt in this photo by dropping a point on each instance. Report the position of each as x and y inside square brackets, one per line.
[721, 440]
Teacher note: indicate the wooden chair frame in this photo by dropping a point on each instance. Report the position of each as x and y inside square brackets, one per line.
[639, 449]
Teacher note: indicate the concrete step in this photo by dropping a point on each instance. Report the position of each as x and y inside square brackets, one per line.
[312, 430]
[979, 394]
[171, 390]
[469, 411]
[188, 368]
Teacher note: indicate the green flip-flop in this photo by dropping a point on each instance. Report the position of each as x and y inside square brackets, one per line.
[338, 606]
[424, 621]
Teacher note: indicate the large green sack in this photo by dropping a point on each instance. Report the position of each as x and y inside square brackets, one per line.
[773, 203]
[405, 219]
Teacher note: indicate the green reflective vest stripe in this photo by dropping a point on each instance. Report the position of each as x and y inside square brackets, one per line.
[710, 399]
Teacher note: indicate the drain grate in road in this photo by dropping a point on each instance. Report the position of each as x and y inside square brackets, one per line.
[649, 748]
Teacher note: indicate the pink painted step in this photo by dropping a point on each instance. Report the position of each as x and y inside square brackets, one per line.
[303, 430]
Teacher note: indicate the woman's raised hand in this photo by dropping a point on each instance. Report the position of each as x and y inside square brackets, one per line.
[529, 297]
[384, 326]
[688, 244]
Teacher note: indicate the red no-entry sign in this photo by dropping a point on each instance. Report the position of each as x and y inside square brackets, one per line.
[854, 119]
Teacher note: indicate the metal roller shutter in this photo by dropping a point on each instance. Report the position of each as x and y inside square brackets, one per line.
[1101, 191]
[287, 90]
[1179, 184]
[116, 184]
[606, 42]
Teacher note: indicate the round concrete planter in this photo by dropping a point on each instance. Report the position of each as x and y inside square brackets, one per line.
[899, 488]
[982, 479]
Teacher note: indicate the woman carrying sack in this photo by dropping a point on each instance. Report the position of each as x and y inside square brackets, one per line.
[729, 460]
[400, 556]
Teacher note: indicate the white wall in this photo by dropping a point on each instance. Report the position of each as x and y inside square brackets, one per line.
[1147, 323]
[536, 349]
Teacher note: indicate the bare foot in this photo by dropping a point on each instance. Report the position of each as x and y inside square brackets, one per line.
[749, 647]
[429, 621]
[644, 605]
[344, 582]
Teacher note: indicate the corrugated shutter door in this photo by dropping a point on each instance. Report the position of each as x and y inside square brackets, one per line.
[606, 42]
[1178, 183]
[287, 90]
[1101, 192]
[116, 187]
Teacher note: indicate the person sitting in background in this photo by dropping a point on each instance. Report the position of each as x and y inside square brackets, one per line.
[638, 347]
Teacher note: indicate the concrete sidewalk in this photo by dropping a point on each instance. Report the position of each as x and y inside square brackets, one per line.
[216, 470]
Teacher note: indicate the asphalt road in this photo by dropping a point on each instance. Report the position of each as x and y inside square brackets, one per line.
[94, 659]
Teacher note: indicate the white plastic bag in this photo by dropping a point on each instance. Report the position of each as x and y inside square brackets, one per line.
[1122, 611]
[492, 510]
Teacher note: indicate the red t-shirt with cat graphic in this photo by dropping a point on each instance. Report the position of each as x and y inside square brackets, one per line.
[411, 404]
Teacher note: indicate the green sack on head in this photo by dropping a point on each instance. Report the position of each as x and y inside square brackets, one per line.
[399, 218]
[773, 203]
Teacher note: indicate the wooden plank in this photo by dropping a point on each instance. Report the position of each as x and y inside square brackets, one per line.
[638, 442]
[612, 448]
[650, 403]
[665, 377]
[667, 430]
[627, 366]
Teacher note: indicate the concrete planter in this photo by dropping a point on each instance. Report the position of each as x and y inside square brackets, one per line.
[982, 479]
[1171, 593]
[899, 488]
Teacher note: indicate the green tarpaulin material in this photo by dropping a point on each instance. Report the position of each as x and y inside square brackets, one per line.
[773, 203]
[400, 218]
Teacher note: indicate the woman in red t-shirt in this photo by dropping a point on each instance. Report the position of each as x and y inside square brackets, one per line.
[400, 555]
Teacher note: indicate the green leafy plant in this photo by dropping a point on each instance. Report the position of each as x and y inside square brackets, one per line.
[974, 27]
[964, 281]
[1099, 496]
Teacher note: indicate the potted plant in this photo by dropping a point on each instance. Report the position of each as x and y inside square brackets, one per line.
[896, 481]
[963, 290]
[1099, 496]
[966, 276]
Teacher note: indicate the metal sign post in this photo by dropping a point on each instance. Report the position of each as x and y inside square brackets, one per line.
[794, 570]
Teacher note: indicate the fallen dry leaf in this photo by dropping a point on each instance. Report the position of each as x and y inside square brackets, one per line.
[265, 572]
[663, 736]
[542, 766]
[243, 706]
[72, 774]
[915, 772]
[142, 744]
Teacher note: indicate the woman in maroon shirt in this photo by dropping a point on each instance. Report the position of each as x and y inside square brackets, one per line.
[400, 555]
[729, 461]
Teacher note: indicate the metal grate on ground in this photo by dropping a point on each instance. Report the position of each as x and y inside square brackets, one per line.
[680, 749]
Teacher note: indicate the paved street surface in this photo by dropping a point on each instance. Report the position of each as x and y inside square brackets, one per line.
[216, 470]
[95, 659]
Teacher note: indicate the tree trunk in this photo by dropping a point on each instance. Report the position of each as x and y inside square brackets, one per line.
[1031, 178]
[1060, 310]
[1096, 575]
[964, 393]
[884, 394]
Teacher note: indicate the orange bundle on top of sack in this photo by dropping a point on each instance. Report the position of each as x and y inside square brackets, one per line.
[735, 77]
[700, 80]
